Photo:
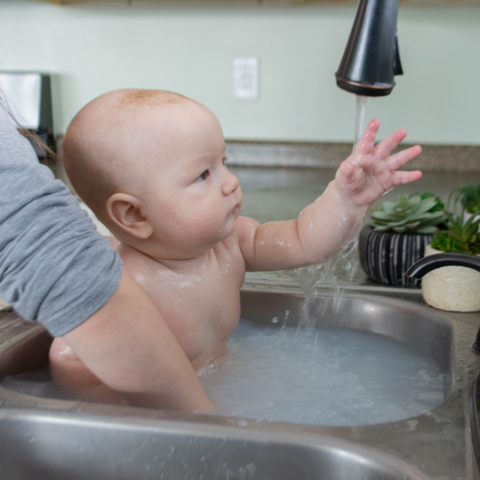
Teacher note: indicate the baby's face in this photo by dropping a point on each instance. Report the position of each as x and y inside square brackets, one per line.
[190, 197]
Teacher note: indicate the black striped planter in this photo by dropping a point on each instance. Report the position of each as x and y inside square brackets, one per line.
[386, 256]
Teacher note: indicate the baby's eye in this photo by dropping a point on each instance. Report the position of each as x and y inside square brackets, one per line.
[203, 176]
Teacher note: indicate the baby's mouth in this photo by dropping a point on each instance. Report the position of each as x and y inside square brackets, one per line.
[236, 209]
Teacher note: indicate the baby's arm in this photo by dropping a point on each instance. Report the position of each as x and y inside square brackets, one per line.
[327, 224]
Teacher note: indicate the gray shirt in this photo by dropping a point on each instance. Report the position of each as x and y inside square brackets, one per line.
[54, 266]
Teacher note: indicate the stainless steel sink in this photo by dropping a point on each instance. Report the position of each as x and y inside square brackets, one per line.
[60, 445]
[51, 438]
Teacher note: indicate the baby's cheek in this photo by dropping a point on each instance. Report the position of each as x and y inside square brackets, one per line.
[207, 223]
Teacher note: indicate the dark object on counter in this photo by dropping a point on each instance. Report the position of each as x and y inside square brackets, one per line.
[371, 58]
[386, 256]
[432, 262]
[29, 98]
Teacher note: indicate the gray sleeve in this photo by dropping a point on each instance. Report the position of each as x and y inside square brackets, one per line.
[54, 266]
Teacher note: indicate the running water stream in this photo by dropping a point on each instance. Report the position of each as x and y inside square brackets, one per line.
[344, 263]
[359, 118]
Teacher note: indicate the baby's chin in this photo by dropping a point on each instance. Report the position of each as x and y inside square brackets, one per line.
[229, 226]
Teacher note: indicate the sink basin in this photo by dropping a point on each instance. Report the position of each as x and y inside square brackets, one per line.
[47, 437]
[50, 445]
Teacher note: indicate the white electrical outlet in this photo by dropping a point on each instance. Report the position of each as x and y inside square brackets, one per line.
[245, 78]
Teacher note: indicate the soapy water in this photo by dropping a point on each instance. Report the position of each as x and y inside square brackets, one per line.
[335, 377]
[310, 374]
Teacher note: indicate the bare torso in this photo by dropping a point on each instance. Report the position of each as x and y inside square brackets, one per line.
[199, 298]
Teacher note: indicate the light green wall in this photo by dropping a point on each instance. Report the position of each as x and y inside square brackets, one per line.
[95, 49]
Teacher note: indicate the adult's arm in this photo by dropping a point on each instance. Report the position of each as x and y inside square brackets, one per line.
[55, 268]
[129, 346]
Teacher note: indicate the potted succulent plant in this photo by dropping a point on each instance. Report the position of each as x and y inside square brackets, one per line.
[454, 288]
[398, 236]
[469, 199]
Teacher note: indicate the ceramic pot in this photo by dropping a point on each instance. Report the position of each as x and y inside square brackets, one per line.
[386, 256]
[456, 289]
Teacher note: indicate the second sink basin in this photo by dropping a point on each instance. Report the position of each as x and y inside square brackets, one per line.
[56, 446]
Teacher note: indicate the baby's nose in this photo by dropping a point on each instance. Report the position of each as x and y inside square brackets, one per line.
[230, 184]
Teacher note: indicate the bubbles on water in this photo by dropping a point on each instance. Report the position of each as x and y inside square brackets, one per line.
[332, 377]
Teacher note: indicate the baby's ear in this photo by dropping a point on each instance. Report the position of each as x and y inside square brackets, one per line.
[125, 210]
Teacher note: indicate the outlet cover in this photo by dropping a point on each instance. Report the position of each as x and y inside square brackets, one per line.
[245, 78]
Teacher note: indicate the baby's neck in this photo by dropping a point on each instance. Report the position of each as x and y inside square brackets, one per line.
[178, 265]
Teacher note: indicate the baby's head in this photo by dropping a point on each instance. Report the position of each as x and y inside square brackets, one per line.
[150, 164]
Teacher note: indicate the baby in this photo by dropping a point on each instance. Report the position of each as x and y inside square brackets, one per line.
[151, 165]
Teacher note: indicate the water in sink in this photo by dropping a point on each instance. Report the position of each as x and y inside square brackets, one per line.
[322, 376]
[317, 376]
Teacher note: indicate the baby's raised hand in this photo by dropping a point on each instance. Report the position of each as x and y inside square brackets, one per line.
[370, 171]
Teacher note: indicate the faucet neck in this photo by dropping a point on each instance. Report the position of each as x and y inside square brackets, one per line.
[371, 58]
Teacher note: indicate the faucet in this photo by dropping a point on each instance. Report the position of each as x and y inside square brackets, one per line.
[427, 264]
[371, 58]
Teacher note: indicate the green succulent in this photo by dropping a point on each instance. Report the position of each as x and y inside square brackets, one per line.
[410, 214]
[468, 197]
[458, 236]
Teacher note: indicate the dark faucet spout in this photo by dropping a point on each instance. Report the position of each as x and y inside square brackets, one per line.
[371, 58]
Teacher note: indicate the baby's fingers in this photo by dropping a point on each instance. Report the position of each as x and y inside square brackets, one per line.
[401, 158]
[366, 143]
[384, 148]
[346, 172]
[400, 178]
